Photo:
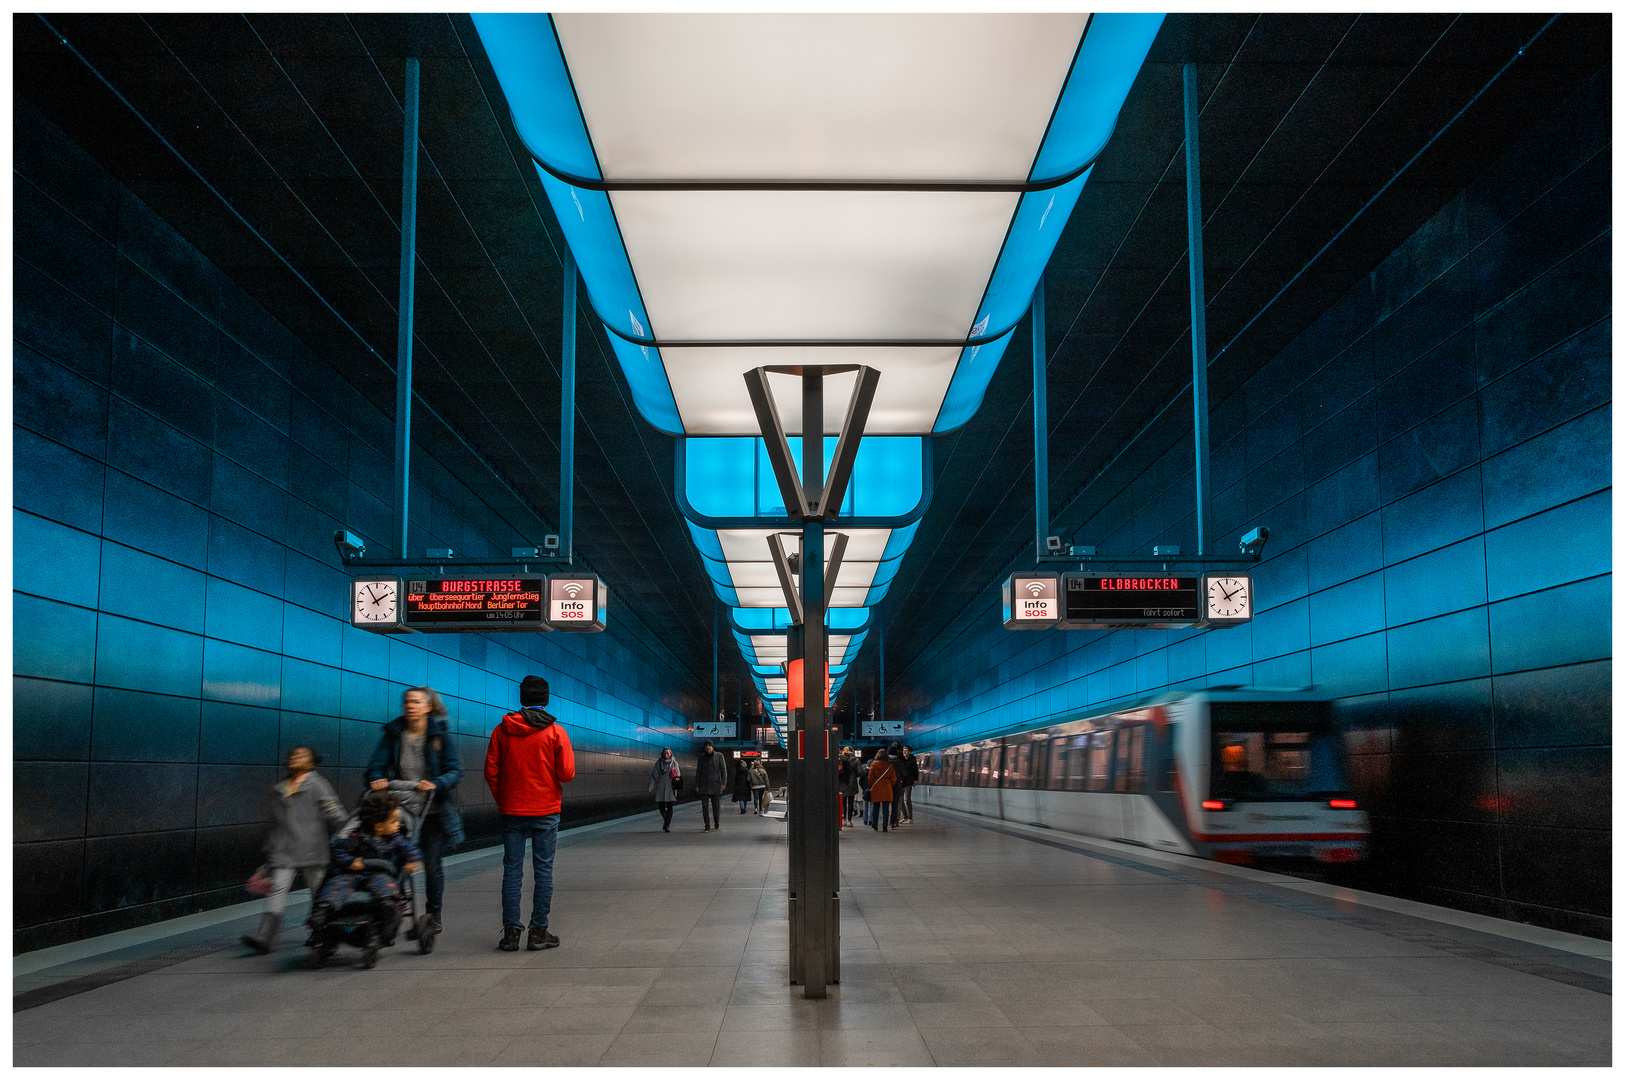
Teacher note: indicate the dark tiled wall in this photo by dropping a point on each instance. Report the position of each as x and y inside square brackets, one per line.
[1432, 459]
[181, 462]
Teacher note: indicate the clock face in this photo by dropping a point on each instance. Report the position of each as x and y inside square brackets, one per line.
[1229, 597]
[374, 602]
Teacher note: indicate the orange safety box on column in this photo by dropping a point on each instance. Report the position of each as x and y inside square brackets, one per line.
[797, 699]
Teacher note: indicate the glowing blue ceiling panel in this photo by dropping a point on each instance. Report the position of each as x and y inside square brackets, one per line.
[900, 217]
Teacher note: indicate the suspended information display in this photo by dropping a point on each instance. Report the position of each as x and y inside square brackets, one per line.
[1159, 600]
[475, 603]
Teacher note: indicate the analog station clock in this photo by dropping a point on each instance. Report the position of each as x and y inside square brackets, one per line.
[1229, 598]
[375, 604]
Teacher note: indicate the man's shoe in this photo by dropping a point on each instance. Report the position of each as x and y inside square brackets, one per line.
[541, 939]
[510, 939]
[431, 921]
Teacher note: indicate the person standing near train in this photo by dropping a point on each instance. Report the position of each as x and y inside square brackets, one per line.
[882, 785]
[909, 771]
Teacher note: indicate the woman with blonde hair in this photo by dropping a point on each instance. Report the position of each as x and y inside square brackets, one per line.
[417, 753]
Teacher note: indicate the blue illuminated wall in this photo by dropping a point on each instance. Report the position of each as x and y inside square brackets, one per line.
[1432, 459]
[180, 464]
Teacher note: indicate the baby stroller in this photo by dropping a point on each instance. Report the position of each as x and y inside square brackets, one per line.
[367, 922]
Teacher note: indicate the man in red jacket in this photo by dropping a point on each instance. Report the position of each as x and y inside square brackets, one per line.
[526, 767]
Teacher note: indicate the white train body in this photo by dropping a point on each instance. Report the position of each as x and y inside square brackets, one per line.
[1232, 774]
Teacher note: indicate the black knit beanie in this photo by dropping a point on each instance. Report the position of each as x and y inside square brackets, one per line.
[533, 690]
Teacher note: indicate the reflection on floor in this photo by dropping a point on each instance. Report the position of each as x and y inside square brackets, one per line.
[961, 945]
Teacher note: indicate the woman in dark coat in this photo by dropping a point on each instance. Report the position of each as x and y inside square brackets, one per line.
[417, 748]
[741, 784]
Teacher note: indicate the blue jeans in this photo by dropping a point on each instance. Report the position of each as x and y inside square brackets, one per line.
[543, 833]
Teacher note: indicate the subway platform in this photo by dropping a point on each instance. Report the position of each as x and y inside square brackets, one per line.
[963, 942]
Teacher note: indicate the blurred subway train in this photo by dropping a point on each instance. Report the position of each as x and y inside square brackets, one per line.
[1228, 773]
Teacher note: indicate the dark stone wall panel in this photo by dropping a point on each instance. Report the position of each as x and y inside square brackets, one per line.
[181, 461]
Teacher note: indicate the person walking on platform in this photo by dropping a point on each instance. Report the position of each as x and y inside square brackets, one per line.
[910, 774]
[417, 759]
[529, 761]
[305, 810]
[710, 778]
[758, 785]
[882, 784]
[741, 789]
[843, 781]
[851, 770]
[664, 781]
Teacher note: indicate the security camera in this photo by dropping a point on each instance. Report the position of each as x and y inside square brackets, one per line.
[1053, 543]
[350, 545]
[1253, 543]
[793, 560]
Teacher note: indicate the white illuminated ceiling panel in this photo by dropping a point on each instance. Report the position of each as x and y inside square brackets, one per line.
[765, 598]
[812, 265]
[799, 96]
[709, 387]
[750, 545]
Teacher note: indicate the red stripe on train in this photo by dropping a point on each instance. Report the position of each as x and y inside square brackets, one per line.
[1253, 838]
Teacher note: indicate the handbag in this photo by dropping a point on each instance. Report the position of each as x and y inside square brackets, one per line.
[259, 882]
[677, 783]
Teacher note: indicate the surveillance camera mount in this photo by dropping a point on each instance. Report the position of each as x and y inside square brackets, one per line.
[1252, 551]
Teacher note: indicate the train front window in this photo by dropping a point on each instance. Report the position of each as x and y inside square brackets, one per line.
[1275, 750]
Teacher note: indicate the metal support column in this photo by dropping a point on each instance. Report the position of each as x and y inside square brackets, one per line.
[567, 416]
[1193, 224]
[403, 328]
[716, 713]
[1040, 419]
[814, 934]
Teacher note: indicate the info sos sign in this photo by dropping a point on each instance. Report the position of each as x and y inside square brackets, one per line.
[578, 602]
[1032, 601]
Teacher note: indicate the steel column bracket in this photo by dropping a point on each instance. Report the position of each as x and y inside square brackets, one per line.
[778, 447]
[781, 563]
[828, 504]
[837, 550]
[846, 447]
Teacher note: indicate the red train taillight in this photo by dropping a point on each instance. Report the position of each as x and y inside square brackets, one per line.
[1215, 804]
[1343, 804]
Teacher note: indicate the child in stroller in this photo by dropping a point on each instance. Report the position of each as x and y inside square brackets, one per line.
[369, 886]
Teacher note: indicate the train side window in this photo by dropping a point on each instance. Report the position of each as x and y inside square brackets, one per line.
[1120, 775]
[1057, 764]
[1100, 761]
[1136, 759]
[1023, 773]
[1164, 748]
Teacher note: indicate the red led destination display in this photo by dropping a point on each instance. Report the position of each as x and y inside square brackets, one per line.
[1151, 600]
[476, 602]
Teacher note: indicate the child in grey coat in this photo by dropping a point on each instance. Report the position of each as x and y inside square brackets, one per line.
[305, 810]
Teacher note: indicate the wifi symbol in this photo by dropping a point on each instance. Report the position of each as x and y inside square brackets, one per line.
[573, 589]
[1035, 587]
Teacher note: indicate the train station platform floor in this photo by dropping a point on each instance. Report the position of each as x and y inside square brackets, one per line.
[963, 942]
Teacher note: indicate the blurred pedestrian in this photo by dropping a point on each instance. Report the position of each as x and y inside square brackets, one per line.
[529, 761]
[910, 775]
[664, 782]
[741, 784]
[710, 778]
[305, 811]
[417, 759]
[758, 784]
[882, 783]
